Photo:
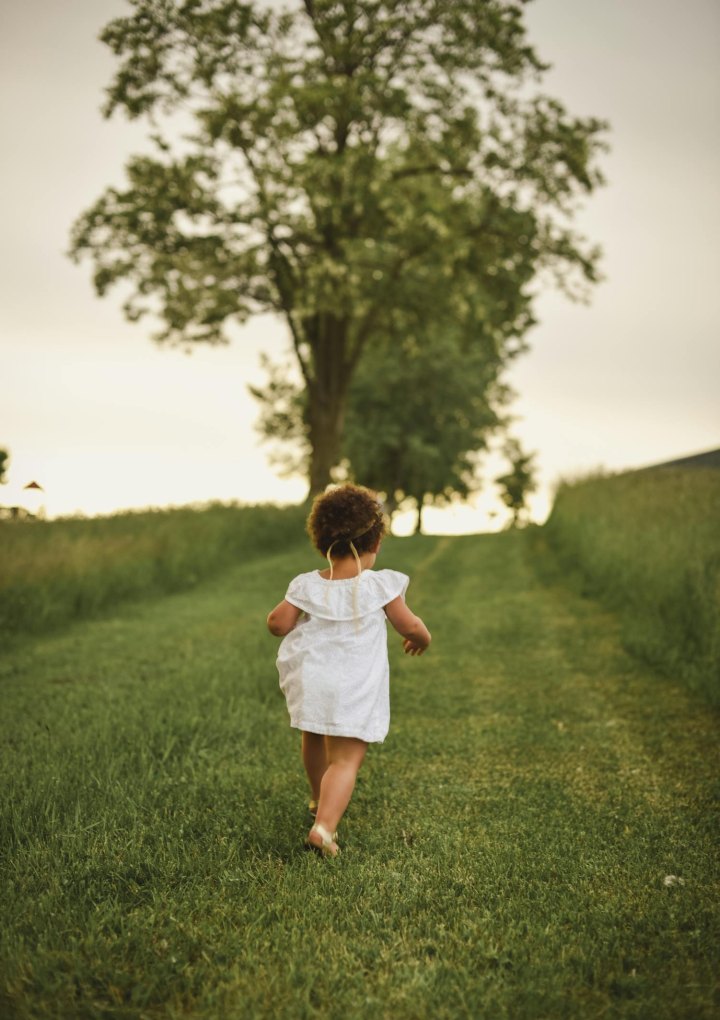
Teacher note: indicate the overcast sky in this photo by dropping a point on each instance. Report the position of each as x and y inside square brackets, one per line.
[103, 419]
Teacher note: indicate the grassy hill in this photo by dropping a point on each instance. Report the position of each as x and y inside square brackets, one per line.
[533, 840]
[648, 544]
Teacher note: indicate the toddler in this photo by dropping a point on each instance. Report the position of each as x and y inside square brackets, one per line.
[333, 661]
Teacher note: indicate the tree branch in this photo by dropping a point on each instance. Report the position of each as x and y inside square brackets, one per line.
[282, 268]
[415, 171]
[362, 334]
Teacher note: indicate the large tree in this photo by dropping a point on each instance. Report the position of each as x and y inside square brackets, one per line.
[345, 158]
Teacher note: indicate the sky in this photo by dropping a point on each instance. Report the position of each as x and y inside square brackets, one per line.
[104, 419]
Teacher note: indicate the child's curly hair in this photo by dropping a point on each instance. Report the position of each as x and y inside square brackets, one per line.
[345, 514]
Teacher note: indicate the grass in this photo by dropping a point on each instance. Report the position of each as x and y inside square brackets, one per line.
[648, 544]
[505, 855]
[54, 572]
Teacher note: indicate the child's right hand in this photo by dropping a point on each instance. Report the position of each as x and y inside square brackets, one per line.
[415, 635]
[413, 647]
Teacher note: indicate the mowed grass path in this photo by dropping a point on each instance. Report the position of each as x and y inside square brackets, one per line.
[506, 854]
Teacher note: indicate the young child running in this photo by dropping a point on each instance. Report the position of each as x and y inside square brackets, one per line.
[333, 660]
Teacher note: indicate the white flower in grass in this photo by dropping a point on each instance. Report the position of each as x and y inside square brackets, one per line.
[673, 880]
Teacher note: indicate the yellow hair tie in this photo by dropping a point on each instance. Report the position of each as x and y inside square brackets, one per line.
[357, 558]
[329, 558]
[355, 587]
[355, 584]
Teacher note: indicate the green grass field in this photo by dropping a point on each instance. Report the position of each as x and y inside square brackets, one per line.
[647, 543]
[54, 572]
[534, 839]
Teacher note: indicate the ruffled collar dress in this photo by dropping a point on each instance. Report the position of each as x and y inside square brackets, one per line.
[333, 665]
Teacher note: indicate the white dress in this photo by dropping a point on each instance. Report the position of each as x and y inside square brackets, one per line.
[333, 665]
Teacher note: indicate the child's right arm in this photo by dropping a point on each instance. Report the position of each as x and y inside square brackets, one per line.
[409, 626]
[282, 619]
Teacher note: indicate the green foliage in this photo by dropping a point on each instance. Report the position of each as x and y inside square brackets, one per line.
[647, 542]
[345, 159]
[283, 420]
[506, 851]
[519, 482]
[420, 412]
[4, 458]
[57, 571]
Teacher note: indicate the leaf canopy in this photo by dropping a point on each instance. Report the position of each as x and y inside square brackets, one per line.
[336, 153]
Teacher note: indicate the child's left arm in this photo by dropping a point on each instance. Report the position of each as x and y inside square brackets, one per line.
[283, 618]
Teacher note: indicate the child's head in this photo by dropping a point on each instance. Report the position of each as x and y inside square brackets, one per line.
[345, 514]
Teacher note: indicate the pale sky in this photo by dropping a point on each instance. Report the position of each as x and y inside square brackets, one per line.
[103, 419]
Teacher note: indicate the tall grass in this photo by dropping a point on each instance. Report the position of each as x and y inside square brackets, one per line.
[52, 572]
[648, 544]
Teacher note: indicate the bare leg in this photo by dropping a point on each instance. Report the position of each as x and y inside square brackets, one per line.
[314, 759]
[345, 756]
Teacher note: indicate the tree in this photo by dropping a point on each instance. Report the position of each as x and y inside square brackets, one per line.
[418, 423]
[421, 406]
[4, 458]
[519, 482]
[419, 414]
[346, 157]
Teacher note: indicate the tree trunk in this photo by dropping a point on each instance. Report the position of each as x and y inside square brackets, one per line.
[327, 414]
[326, 398]
[418, 522]
[391, 505]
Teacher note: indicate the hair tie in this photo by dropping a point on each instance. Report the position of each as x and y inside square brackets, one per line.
[357, 558]
[329, 557]
[352, 539]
